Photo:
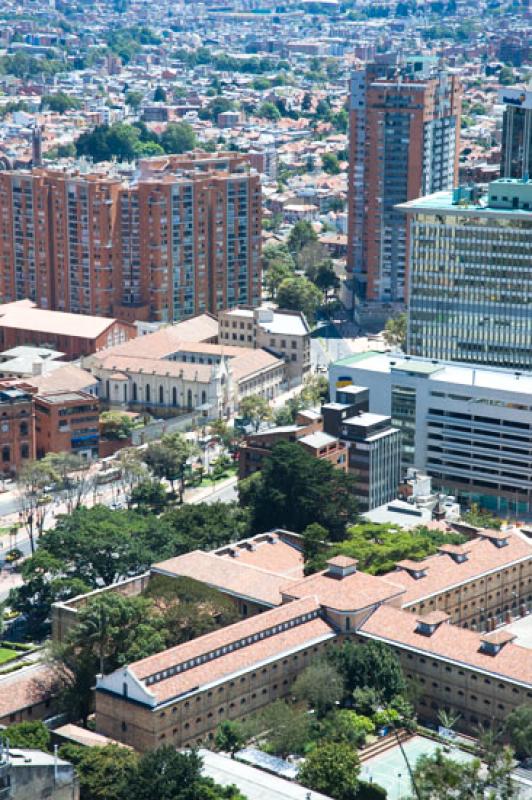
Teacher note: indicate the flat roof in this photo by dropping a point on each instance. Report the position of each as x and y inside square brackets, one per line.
[255, 784]
[442, 202]
[496, 378]
[66, 397]
[318, 439]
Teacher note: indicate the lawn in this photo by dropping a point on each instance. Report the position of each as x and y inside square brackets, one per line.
[7, 654]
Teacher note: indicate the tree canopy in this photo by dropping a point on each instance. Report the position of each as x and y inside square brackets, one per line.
[117, 773]
[294, 490]
[371, 665]
[332, 768]
[127, 142]
[297, 293]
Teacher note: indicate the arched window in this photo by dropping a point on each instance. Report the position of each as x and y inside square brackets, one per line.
[189, 398]
[148, 393]
[161, 395]
[23, 428]
[107, 390]
[24, 451]
[125, 392]
[135, 392]
[203, 397]
[6, 454]
[174, 396]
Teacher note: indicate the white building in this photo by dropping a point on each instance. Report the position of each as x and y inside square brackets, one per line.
[469, 428]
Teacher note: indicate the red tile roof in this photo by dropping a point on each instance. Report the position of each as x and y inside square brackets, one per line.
[229, 575]
[449, 642]
[351, 593]
[443, 572]
[242, 659]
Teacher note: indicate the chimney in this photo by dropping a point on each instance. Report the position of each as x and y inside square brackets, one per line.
[340, 567]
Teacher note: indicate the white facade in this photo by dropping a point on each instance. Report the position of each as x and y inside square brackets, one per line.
[469, 428]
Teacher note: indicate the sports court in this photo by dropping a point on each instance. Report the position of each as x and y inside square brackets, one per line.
[391, 772]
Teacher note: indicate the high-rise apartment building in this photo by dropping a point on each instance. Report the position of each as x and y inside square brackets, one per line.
[516, 155]
[177, 236]
[471, 275]
[404, 143]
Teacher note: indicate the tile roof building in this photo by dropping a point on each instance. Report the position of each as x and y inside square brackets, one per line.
[180, 695]
[164, 370]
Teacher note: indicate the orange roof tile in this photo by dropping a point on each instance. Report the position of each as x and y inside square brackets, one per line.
[229, 575]
[443, 572]
[356, 591]
[241, 659]
[19, 690]
[454, 644]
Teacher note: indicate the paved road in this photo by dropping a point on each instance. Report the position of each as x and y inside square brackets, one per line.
[227, 494]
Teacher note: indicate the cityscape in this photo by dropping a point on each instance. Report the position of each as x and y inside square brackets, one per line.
[265, 400]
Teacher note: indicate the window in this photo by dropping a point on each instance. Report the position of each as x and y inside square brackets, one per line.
[161, 395]
[174, 396]
[6, 454]
[24, 451]
[23, 428]
[148, 393]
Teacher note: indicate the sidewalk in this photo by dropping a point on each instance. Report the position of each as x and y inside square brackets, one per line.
[198, 495]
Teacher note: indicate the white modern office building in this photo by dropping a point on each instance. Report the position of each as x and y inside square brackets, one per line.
[470, 271]
[468, 427]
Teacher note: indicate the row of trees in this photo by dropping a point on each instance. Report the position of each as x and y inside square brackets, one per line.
[127, 142]
[95, 547]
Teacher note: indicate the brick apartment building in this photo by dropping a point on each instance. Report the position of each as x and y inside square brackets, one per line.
[178, 236]
[307, 431]
[404, 143]
[17, 425]
[67, 422]
[420, 609]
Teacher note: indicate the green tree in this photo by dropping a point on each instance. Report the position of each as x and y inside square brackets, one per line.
[33, 502]
[295, 490]
[349, 727]
[269, 111]
[149, 496]
[507, 76]
[168, 459]
[395, 331]
[229, 737]
[320, 686]
[372, 665]
[159, 95]
[519, 729]
[45, 583]
[30, 735]
[60, 102]
[438, 777]
[297, 293]
[104, 773]
[301, 234]
[314, 548]
[256, 409]
[378, 547]
[115, 425]
[332, 768]
[286, 727]
[166, 774]
[134, 99]
[179, 137]
[481, 519]
[326, 278]
[330, 163]
[306, 103]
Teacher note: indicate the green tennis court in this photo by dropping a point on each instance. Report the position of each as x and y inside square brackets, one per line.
[390, 771]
